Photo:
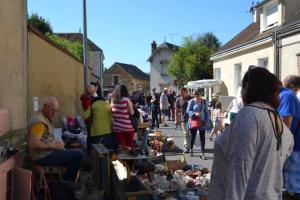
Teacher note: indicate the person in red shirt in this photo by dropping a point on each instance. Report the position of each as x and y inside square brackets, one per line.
[86, 101]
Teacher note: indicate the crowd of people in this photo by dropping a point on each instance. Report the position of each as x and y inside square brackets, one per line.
[253, 158]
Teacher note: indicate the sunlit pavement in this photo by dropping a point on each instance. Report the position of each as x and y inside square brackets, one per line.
[177, 135]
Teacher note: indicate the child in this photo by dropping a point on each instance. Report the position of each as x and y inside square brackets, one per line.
[217, 119]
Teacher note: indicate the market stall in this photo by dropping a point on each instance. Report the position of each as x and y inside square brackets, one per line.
[149, 172]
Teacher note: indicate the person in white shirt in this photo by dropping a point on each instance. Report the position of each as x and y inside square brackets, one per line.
[217, 119]
[164, 106]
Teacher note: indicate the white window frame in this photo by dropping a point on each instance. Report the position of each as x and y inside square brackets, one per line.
[237, 76]
[274, 9]
[217, 76]
[164, 67]
[263, 62]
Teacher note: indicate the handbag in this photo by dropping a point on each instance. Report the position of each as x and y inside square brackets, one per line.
[195, 122]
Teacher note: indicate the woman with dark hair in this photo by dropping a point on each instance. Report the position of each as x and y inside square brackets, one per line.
[247, 156]
[97, 88]
[122, 108]
[99, 113]
[197, 110]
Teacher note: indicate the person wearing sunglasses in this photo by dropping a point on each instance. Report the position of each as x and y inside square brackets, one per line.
[248, 155]
[198, 118]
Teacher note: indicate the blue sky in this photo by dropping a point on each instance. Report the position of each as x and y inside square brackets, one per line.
[124, 29]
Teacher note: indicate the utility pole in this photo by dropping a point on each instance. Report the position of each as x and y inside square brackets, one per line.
[101, 75]
[85, 48]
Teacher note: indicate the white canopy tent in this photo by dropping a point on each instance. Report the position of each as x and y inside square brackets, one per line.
[207, 84]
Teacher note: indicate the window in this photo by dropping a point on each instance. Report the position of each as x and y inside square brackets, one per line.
[237, 76]
[271, 15]
[263, 62]
[115, 80]
[217, 76]
[164, 67]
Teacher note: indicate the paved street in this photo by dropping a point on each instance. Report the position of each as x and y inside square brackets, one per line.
[177, 135]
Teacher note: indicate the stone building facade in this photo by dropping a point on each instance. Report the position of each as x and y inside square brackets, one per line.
[131, 76]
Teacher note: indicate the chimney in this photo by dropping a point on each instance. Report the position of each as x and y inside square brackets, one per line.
[153, 46]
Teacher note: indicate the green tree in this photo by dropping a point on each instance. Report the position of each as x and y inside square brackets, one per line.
[40, 23]
[192, 60]
[209, 40]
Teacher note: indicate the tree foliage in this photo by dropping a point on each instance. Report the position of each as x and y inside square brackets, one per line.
[40, 23]
[209, 40]
[192, 60]
[44, 26]
[76, 48]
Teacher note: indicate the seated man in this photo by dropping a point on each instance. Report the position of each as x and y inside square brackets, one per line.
[43, 148]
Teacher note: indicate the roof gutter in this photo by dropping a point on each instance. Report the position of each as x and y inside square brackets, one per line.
[289, 30]
[242, 47]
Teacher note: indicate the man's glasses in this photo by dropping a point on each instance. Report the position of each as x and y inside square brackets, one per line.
[52, 109]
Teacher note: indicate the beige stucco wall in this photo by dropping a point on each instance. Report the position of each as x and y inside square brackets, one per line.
[13, 61]
[52, 72]
[245, 58]
[290, 47]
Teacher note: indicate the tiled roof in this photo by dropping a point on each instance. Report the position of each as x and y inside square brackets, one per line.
[249, 34]
[170, 46]
[245, 35]
[134, 71]
[173, 47]
[252, 32]
[292, 18]
[261, 3]
[78, 37]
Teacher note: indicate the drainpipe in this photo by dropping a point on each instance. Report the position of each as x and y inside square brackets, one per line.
[276, 54]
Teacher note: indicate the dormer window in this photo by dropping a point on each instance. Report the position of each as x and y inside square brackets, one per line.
[270, 16]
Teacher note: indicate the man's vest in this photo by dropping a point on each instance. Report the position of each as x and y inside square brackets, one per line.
[47, 137]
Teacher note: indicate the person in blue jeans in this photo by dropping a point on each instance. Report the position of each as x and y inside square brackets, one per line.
[45, 150]
[198, 108]
[289, 110]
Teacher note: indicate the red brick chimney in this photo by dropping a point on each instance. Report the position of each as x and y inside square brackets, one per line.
[153, 46]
